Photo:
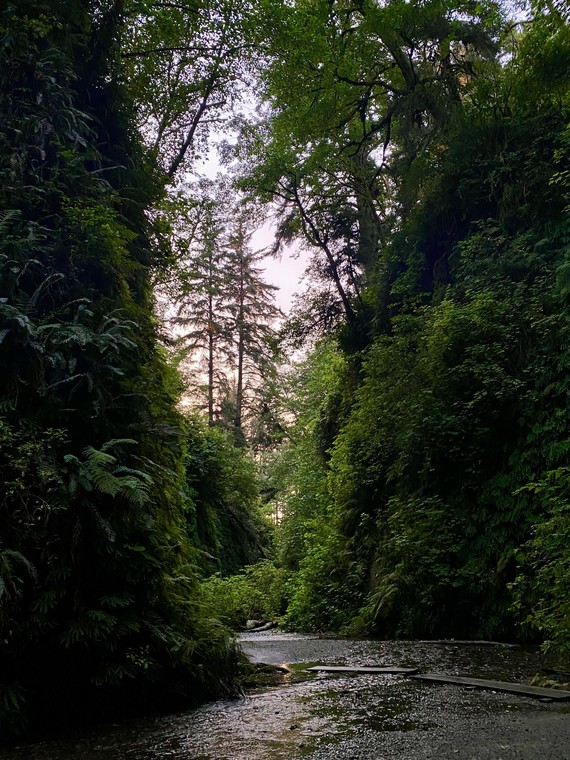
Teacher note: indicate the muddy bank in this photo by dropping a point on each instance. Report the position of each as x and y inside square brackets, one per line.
[349, 717]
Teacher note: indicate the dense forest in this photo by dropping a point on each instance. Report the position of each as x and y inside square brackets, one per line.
[392, 457]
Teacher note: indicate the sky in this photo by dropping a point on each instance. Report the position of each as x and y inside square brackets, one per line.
[284, 271]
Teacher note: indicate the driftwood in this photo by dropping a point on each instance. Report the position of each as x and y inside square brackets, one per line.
[254, 626]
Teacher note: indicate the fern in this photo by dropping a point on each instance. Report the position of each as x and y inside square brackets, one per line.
[100, 471]
[116, 600]
[92, 625]
[12, 708]
[6, 218]
[10, 579]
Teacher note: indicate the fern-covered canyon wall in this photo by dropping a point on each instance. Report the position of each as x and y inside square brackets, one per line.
[103, 523]
[427, 491]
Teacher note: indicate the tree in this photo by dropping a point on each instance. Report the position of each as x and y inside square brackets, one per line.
[186, 64]
[198, 293]
[253, 313]
[368, 92]
[224, 311]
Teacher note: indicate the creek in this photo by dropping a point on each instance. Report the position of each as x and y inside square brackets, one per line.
[346, 717]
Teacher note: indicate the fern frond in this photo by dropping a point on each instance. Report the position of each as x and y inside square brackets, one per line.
[9, 559]
[101, 472]
[118, 442]
[7, 217]
[98, 457]
[122, 470]
[104, 524]
[37, 294]
[116, 600]
[66, 380]
[106, 482]
[133, 490]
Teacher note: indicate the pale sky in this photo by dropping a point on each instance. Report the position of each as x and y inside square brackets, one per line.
[285, 271]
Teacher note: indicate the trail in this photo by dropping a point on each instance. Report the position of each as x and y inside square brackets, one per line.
[347, 717]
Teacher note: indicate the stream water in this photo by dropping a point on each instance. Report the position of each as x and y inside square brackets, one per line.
[346, 717]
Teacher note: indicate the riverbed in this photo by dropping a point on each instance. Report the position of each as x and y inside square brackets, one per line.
[346, 717]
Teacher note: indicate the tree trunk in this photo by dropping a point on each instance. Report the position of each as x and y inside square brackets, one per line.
[241, 349]
[210, 356]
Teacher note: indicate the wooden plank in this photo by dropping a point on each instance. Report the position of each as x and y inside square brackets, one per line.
[469, 642]
[365, 669]
[537, 692]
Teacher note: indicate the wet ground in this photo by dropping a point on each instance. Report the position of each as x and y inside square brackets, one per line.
[347, 717]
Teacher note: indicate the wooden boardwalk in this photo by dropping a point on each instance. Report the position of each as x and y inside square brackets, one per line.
[521, 689]
[469, 642]
[365, 669]
[537, 692]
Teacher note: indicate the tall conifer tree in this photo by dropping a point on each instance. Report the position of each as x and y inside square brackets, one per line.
[251, 302]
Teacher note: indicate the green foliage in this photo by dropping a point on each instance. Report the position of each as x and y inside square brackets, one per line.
[298, 473]
[541, 588]
[418, 511]
[224, 518]
[328, 588]
[416, 572]
[360, 98]
[462, 420]
[324, 581]
[426, 448]
[100, 471]
[257, 592]
[183, 62]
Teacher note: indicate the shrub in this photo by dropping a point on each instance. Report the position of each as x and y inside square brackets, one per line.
[257, 592]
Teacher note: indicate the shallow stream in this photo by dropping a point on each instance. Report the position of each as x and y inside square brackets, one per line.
[346, 717]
